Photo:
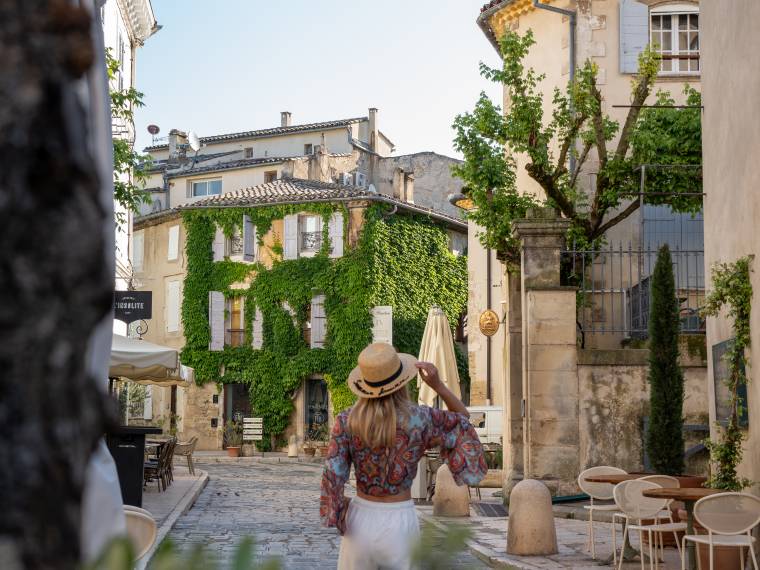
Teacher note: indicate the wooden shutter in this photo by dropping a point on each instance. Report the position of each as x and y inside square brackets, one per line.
[148, 403]
[138, 250]
[172, 306]
[216, 320]
[290, 243]
[173, 248]
[318, 322]
[382, 324]
[634, 34]
[257, 330]
[218, 245]
[335, 231]
[249, 239]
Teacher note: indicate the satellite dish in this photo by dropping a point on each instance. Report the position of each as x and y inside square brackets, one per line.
[195, 142]
[153, 129]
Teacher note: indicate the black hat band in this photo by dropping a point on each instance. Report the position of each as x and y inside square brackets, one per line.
[388, 380]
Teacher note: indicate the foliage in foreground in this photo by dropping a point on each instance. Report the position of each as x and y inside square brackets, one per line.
[435, 550]
[665, 442]
[571, 145]
[732, 290]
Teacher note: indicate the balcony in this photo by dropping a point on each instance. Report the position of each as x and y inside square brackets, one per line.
[311, 242]
[234, 337]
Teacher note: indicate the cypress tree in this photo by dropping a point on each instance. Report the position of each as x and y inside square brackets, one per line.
[665, 443]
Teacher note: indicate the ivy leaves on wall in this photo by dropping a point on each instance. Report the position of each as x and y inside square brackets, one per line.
[400, 260]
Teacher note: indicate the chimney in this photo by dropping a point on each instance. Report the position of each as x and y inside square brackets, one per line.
[176, 141]
[373, 130]
[398, 183]
[285, 119]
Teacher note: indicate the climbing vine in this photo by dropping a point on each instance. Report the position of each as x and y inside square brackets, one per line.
[732, 288]
[399, 260]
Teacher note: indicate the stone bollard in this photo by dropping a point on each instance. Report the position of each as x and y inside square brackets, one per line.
[449, 500]
[293, 446]
[530, 530]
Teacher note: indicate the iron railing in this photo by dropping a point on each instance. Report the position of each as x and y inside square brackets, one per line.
[614, 288]
[234, 337]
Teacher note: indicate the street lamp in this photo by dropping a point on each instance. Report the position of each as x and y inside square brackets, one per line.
[462, 200]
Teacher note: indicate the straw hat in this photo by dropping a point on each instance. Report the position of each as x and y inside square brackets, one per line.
[381, 371]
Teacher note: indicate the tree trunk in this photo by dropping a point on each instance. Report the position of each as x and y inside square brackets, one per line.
[55, 281]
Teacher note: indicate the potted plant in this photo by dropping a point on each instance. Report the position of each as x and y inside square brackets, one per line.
[233, 437]
[321, 437]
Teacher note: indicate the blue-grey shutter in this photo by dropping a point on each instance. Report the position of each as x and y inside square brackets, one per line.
[634, 34]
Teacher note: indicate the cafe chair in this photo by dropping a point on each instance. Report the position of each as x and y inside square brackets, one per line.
[186, 449]
[597, 492]
[728, 519]
[141, 530]
[631, 501]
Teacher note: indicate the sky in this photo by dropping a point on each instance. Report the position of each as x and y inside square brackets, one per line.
[220, 66]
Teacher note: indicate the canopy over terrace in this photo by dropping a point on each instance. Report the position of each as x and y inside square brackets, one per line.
[146, 363]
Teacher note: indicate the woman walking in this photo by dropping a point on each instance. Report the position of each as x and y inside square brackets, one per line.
[383, 436]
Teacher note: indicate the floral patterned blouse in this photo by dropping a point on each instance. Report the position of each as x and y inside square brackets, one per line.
[381, 472]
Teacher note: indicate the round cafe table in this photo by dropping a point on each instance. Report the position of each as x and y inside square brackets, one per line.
[629, 552]
[689, 496]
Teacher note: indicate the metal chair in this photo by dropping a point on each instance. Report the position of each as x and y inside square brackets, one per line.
[630, 500]
[186, 449]
[597, 492]
[729, 519]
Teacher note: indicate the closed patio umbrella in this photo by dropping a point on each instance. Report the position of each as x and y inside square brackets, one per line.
[438, 347]
[146, 363]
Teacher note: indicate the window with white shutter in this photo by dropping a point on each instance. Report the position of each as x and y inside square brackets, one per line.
[382, 324]
[335, 231]
[138, 250]
[172, 306]
[218, 244]
[257, 330]
[290, 237]
[634, 33]
[250, 244]
[318, 322]
[309, 235]
[216, 320]
[173, 249]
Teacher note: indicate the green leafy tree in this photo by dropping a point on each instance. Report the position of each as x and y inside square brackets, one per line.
[665, 437]
[559, 148]
[129, 166]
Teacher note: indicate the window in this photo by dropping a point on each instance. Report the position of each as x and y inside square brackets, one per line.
[173, 305]
[207, 188]
[308, 149]
[675, 35]
[248, 152]
[270, 176]
[310, 234]
[173, 245]
[235, 333]
[138, 250]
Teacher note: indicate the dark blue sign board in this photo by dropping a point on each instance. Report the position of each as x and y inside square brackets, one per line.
[130, 306]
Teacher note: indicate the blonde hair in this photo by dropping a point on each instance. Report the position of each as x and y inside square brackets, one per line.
[374, 420]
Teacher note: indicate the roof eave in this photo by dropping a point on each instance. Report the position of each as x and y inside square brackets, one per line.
[482, 22]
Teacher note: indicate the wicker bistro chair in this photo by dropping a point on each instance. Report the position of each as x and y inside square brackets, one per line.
[597, 492]
[160, 469]
[434, 461]
[186, 449]
[729, 519]
[630, 500]
[141, 530]
[167, 469]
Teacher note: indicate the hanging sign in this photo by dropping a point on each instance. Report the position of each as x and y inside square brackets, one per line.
[489, 322]
[130, 306]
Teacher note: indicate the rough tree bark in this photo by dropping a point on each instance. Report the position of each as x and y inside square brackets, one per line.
[54, 283]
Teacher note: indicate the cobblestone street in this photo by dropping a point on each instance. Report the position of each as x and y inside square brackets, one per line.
[278, 505]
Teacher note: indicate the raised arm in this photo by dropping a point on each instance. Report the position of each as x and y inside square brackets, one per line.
[430, 376]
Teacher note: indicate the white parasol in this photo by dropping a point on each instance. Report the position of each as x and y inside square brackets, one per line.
[146, 363]
[438, 347]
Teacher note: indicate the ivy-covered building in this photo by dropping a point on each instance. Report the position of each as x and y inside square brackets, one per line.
[273, 290]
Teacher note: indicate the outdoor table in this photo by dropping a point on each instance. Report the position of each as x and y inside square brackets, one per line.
[688, 481]
[689, 496]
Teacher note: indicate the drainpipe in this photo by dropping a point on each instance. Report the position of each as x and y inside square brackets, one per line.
[572, 14]
[488, 338]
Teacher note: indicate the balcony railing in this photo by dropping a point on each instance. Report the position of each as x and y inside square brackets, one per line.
[311, 241]
[234, 337]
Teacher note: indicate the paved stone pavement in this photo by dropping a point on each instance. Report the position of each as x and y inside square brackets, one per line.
[277, 504]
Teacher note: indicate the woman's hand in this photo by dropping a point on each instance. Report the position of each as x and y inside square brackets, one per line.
[429, 374]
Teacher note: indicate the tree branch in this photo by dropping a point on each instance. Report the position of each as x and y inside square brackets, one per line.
[632, 207]
[572, 134]
[579, 164]
[642, 91]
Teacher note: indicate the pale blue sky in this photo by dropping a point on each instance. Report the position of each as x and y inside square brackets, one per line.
[232, 65]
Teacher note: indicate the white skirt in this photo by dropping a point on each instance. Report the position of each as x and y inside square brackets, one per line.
[378, 536]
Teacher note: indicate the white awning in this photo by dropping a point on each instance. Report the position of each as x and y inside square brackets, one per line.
[146, 363]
